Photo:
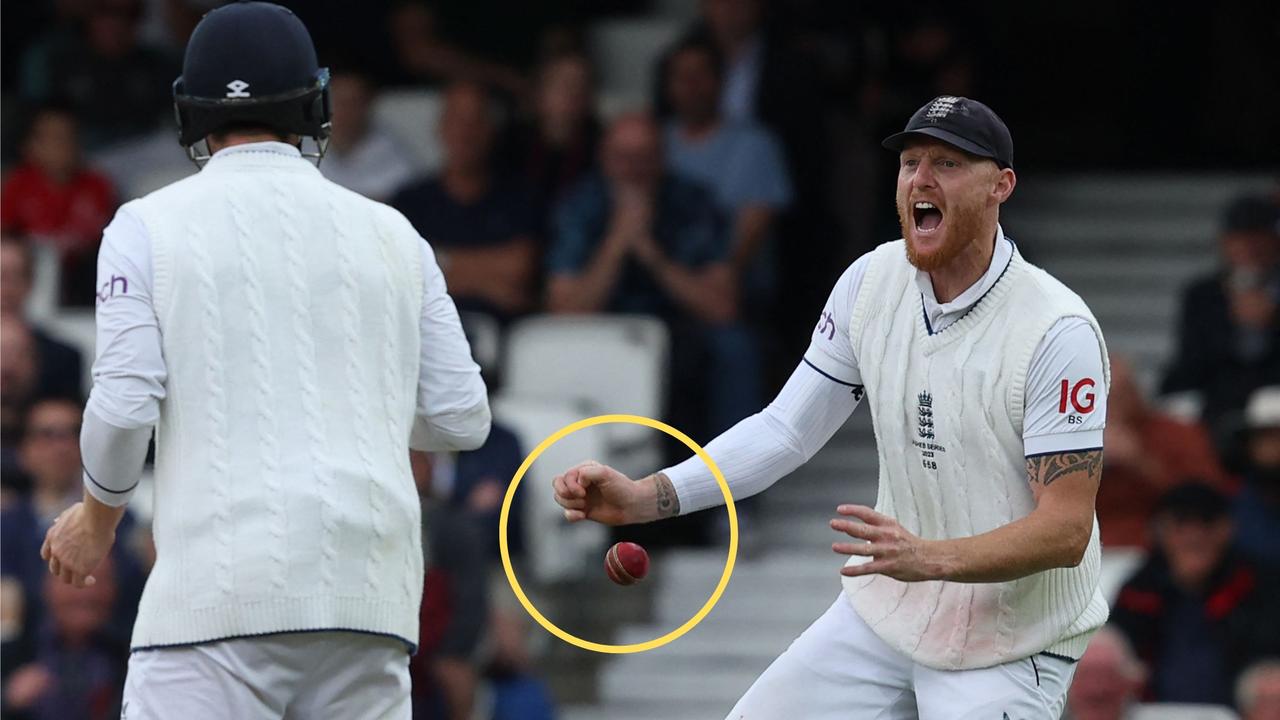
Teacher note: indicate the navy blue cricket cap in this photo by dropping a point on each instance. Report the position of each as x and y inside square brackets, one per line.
[960, 122]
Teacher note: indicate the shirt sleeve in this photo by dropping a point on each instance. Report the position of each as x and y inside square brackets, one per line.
[129, 370]
[831, 350]
[453, 404]
[1066, 393]
[765, 447]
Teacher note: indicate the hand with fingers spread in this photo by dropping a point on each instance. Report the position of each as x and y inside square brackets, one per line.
[893, 550]
[591, 491]
[78, 541]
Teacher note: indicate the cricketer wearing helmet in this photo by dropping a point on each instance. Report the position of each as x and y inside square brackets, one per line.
[288, 341]
[972, 587]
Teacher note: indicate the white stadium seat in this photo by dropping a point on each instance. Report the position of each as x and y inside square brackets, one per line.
[46, 280]
[606, 364]
[625, 52]
[557, 551]
[413, 116]
[1118, 565]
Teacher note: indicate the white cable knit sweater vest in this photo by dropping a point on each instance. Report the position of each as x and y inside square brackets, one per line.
[947, 410]
[289, 309]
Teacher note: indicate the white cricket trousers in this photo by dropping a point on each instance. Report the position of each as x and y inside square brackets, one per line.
[839, 669]
[290, 676]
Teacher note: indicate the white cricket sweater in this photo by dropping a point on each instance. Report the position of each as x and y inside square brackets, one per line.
[947, 409]
[289, 309]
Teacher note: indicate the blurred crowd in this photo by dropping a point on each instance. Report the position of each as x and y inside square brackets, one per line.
[726, 209]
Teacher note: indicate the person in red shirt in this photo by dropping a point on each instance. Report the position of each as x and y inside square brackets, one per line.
[56, 200]
[1148, 453]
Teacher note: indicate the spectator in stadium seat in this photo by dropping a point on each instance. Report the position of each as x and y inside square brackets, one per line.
[1107, 681]
[1148, 453]
[773, 79]
[79, 665]
[19, 378]
[1257, 507]
[739, 160]
[639, 239]
[361, 156]
[1198, 612]
[49, 452]
[1258, 691]
[1229, 332]
[767, 79]
[54, 199]
[60, 365]
[480, 222]
[117, 86]
[557, 147]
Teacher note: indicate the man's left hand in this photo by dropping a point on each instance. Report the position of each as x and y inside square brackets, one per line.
[893, 550]
[76, 544]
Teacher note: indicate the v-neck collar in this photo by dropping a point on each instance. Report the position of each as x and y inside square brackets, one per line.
[932, 311]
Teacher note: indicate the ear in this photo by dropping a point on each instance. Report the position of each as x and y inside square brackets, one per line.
[1006, 180]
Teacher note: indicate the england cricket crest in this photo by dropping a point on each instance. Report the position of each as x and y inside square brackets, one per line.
[925, 412]
[925, 432]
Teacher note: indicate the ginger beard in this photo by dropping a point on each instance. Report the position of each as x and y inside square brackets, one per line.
[959, 226]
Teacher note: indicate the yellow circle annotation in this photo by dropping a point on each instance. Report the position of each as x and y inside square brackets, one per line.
[633, 647]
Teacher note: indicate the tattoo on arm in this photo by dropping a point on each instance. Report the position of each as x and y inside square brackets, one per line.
[1048, 468]
[668, 502]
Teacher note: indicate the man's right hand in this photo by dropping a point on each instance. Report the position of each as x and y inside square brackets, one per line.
[591, 491]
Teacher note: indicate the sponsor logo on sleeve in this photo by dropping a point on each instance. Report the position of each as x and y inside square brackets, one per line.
[117, 285]
[1075, 400]
[826, 325]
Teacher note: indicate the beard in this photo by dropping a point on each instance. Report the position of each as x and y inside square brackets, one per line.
[963, 226]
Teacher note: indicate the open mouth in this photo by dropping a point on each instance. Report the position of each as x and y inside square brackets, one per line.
[927, 217]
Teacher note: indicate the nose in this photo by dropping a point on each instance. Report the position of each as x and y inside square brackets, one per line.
[923, 176]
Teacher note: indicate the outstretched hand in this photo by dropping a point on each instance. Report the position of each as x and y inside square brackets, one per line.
[591, 491]
[893, 550]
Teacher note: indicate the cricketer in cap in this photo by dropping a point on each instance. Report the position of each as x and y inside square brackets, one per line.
[971, 589]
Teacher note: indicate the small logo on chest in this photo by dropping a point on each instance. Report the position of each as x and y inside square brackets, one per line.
[925, 435]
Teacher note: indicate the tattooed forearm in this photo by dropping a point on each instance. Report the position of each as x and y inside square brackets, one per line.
[668, 502]
[1045, 469]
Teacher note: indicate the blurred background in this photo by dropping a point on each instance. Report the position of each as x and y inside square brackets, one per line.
[741, 136]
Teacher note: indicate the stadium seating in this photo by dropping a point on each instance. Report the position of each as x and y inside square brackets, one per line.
[624, 52]
[413, 116]
[1118, 564]
[485, 338]
[557, 551]
[46, 276]
[583, 360]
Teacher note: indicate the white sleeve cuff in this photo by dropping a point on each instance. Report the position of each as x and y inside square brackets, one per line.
[452, 431]
[1062, 442]
[112, 457]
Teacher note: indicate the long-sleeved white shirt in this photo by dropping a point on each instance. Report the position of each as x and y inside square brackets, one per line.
[826, 387]
[129, 372]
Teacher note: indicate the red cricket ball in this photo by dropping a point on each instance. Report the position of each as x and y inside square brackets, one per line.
[626, 563]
